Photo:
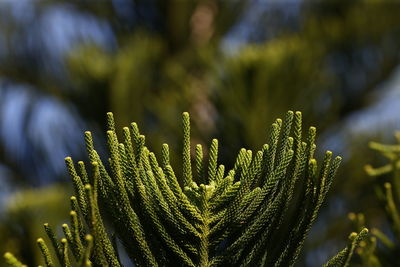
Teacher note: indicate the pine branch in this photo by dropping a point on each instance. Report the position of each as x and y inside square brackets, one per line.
[208, 217]
[342, 259]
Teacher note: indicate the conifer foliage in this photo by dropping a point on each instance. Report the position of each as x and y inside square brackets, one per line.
[257, 213]
[382, 248]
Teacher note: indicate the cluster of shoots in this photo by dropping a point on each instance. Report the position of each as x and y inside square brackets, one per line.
[256, 213]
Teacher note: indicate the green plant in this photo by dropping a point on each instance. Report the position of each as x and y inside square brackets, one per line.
[256, 214]
[386, 254]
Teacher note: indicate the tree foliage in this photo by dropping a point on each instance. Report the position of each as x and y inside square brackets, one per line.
[169, 53]
[257, 213]
[384, 254]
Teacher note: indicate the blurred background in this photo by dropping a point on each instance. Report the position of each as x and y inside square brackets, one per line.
[235, 65]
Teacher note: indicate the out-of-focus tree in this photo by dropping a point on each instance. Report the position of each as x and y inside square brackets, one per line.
[26, 212]
[315, 65]
[163, 70]
[328, 62]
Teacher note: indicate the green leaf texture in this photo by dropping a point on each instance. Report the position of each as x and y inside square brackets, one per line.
[257, 213]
